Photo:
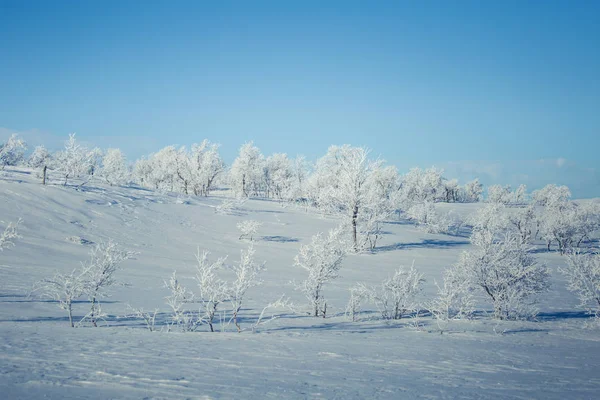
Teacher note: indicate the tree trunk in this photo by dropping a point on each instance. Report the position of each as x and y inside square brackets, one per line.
[70, 311]
[44, 177]
[354, 218]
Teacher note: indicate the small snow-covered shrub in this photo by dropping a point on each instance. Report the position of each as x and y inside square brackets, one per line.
[246, 276]
[358, 294]
[230, 206]
[92, 279]
[322, 259]
[248, 228]
[64, 289]
[583, 278]
[398, 295]
[426, 217]
[9, 235]
[213, 290]
[98, 274]
[177, 300]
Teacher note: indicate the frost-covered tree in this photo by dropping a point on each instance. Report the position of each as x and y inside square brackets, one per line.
[499, 194]
[551, 195]
[248, 229]
[472, 191]
[419, 186]
[520, 194]
[142, 172]
[246, 174]
[583, 278]
[213, 290]
[343, 184]
[73, 161]
[451, 191]
[207, 165]
[455, 298]
[322, 259]
[246, 273]
[98, 274]
[523, 222]
[278, 176]
[398, 294]
[39, 158]
[11, 152]
[493, 218]
[94, 161]
[9, 235]
[506, 272]
[114, 167]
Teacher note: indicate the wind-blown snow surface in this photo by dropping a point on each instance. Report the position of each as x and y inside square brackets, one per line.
[295, 356]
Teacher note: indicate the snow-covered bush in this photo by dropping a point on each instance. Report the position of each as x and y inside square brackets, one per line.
[248, 229]
[64, 289]
[398, 295]
[455, 296]
[92, 279]
[11, 152]
[213, 290]
[583, 278]
[358, 294]
[114, 167]
[230, 206]
[506, 272]
[177, 300]
[322, 259]
[9, 235]
[246, 276]
[425, 216]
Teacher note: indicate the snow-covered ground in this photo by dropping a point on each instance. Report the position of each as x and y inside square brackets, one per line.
[295, 356]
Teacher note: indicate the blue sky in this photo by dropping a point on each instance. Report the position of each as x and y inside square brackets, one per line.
[507, 91]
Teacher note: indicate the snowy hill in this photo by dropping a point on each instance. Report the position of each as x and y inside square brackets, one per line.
[294, 356]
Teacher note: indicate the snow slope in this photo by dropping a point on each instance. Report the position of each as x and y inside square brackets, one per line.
[295, 356]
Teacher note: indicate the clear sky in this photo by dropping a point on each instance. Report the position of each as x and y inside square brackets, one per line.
[507, 91]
